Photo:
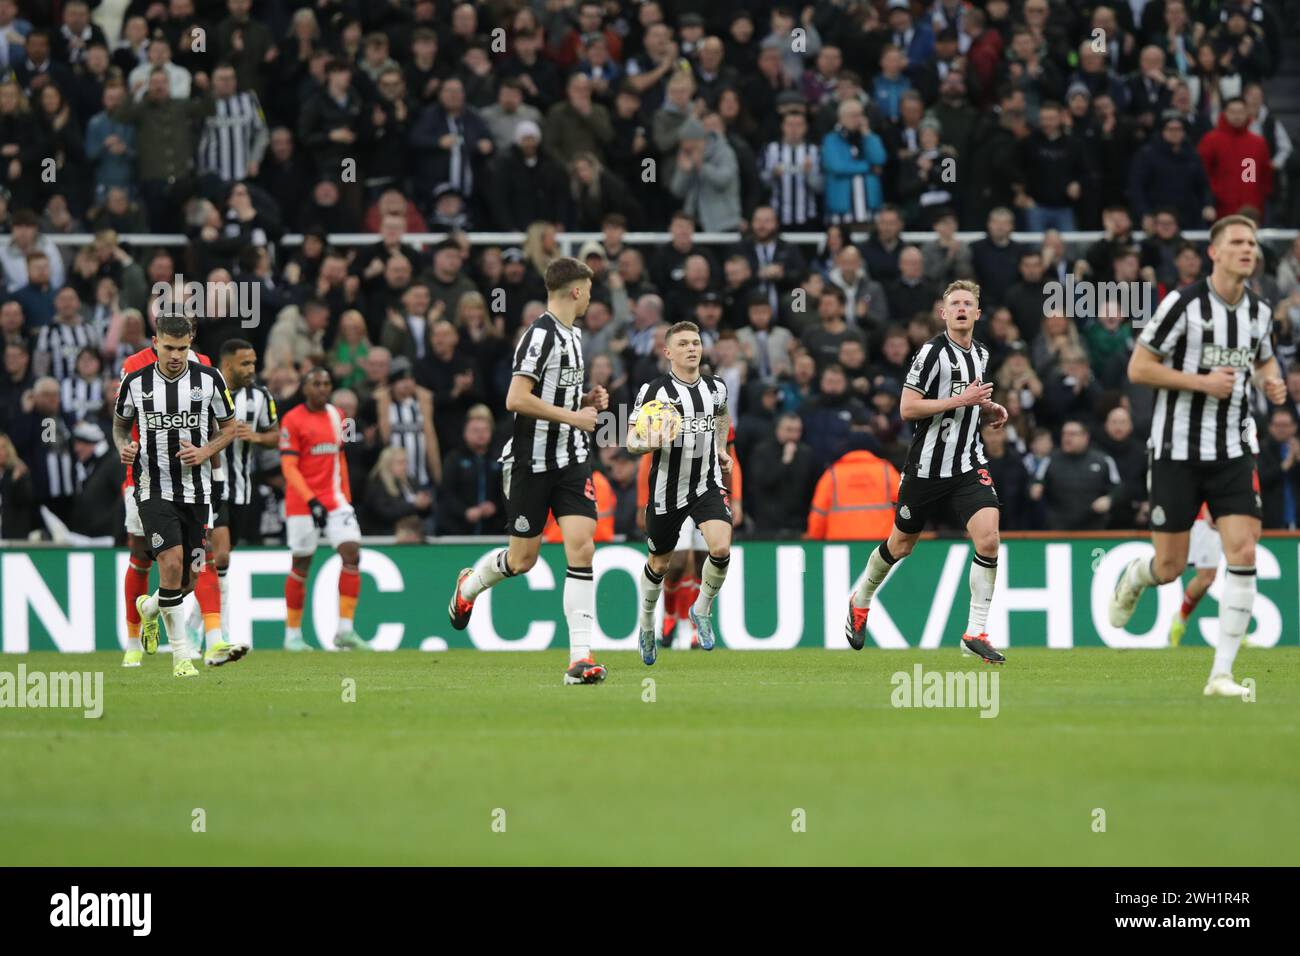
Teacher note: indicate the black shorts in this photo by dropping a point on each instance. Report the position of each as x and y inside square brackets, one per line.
[959, 497]
[531, 495]
[663, 530]
[241, 520]
[168, 524]
[1177, 489]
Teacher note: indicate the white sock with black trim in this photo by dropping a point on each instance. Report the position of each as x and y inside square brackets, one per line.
[1235, 610]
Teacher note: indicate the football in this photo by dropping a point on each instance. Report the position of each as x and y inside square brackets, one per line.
[670, 420]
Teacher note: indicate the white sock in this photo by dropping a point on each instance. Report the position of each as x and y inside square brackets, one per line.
[579, 611]
[711, 578]
[345, 625]
[149, 608]
[213, 637]
[489, 571]
[878, 566]
[133, 644]
[291, 633]
[1140, 574]
[225, 604]
[652, 585]
[173, 615]
[983, 574]
[1235, 609]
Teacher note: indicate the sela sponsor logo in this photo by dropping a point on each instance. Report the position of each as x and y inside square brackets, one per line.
[74, 690]
[1220, 356]
[921, 688]
[959, 387]
[702, 423]
[571, 376]
[164, 420]
[74, 909]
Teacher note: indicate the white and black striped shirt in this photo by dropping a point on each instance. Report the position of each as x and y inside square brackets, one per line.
[80, 398]
[169, 411]
[949, 443]
[551, 355]
[255, 407]
[794, 192]
[1194, 331]
[406, 430]
[233, 136]
[680, 474]
[62, 343]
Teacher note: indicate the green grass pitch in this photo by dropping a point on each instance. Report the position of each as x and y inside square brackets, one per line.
[713, 770]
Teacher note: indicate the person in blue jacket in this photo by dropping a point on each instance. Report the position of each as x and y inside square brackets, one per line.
[852, 158]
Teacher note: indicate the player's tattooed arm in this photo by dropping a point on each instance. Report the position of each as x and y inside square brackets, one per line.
[126, 446]
[721, 429]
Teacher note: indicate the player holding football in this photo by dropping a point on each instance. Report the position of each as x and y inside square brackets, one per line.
[1200, 352]
[681, 585]
[142, 635]
[318, 498]
[688, 436]
[944, 394]
[548, 466]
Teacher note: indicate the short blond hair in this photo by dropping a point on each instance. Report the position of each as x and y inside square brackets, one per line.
[962, 285]
[1222, 225]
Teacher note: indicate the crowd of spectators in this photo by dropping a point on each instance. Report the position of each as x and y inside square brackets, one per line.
[237, 123]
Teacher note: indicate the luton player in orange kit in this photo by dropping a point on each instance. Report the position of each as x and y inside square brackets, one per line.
[317, 498]
[207, 589]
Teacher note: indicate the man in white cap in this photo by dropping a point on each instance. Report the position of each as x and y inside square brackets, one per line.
[527, 184]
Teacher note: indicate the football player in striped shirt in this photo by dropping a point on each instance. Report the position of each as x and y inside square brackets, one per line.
[687, 476]
[944, 394]
[548, 466]
[257, 426]
[174, 402]
[142, 636]
[1205, 346]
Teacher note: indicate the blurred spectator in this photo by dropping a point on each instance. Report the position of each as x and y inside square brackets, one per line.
[1077, 482]
[792, 170]
[42, 435]
[1226, 152]
[705, 177]
[782, 474]
[15, 493]
[1009, 478]
[1071, 392]
[98, 476]
[1279, 479]
[853, 500]
[852, 157]
[823, 340]
[996, 258]
[1129, 506]
[765, 347]
[832, 416]
[578, 125]
[391, 495]
[865, 301]
[404, 412]
[531, 184]
[508, 113]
